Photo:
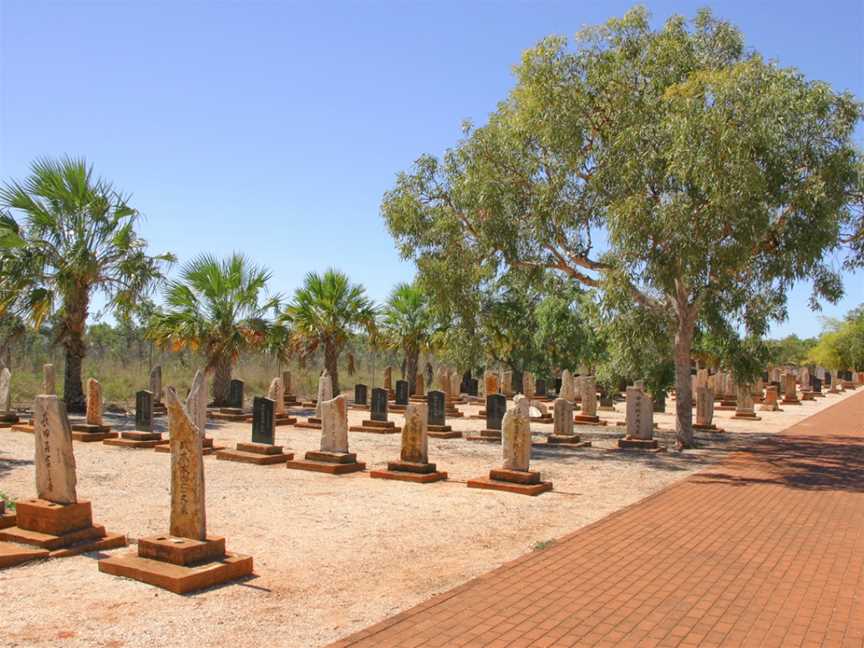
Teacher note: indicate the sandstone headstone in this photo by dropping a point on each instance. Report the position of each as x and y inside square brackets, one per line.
[529, 385]
[49, 383]
[144, 411]
[388, 378]
[414, 434]
[507, 383]
[770, 403]
[325, 391]
[156, 384]
[640, 415]
[804, 378]
[436, 406]
[263, 423]
[360, 394]
[379, 405]
[94, 402]
[5, 391]
[490, 383]
[516, 436]
[563, 417]
[54, 459]
[188, 518]
[541, 388]
[334, 423]
[276, 393]
[789, 391]
[567, 390]
[196, 401]
[419, 384]
[496, 406]
[455, 384]
[704, 406]
[589, 396]
[744, 400]
[287, 382]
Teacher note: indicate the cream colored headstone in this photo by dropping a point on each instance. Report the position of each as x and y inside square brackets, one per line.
[789, 386]
[640, 415]
[287, 385]
[188, 518]
[156, 383]
[770, 403]
[94, 402]
[516, 435]
[704, 406]
[562, 417]
[388, 378]
[744, 399]
[567, 389]
[507, 383]
[529, 385]
[277, 394]
[455, 385]
[196, 401]
[334, 425]
[5, 390]
[589, 396]
[415, 444]
[49, 382]
[54, 459]
[419, 385]
[325, 391]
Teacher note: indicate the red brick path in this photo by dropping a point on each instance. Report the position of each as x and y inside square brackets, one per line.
[766, 549]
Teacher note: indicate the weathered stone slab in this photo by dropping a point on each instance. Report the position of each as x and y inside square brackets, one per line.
[5, 391]
[144, 411]
[640, 416]
[235, 394]
[325, 391]
[567, 389]
[490, 383]
[562, 417]
[436, 407]
[156, 383]
[589, 396]
[196, 401]
[415, 444]
[401, 392]
[188, 518]
[54, 458]
[263, 424]
[360, 394]
[94, 402]
[529, 385]
[379, 405]
[49, 381]
[516, 436]
[704, 406]
[334, 424]
[276, 393]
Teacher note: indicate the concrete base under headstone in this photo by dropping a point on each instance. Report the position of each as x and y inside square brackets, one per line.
[179, 565]
[443, 432]
[332, 463]
[311, 423]
[806, 395]
[260, 454]
[231, 414]
[87, 432]
[629, 443]
[790, 401]
[47, 530]
[23, 427]
[376, 427]
[541, 419]
[566, 441]
[135, 439]
[410, 472]
[582, 419]
[278, 420]
[492, 436]
[523, 482]
[7, 518]
[750, 416]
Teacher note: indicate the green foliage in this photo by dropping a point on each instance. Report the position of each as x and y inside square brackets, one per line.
[565, 336]
[790, 350]
[841, 345]
[406, 321]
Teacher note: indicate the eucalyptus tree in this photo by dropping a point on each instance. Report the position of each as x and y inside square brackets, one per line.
[674, 163]
[324, 314]
[65, 236]
[219, 308]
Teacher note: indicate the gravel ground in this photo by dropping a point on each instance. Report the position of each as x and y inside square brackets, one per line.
[332, 554]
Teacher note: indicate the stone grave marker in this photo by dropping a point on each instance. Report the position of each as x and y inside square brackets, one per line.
[333, 457]
[401, 392]
[379, 405]
[235, 394]
[640, 421]
[144, 411]
[48, 379]
[263, 426]
[360, 394]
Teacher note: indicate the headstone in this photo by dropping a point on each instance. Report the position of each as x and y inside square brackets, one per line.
[235, 394]
[196, 401]
[562, 417]
[388, 378]
[640, 417]
[541, 388]
[94, 402]
[263, 426]
[401, 392]
[496, 406]
[414, 435]
[276, 394]
[473, 387]
[704, 406]
[567, 389]
[144, 411]
[804, 378]
[334, 422]
[325, 391]
[789, 391]
[287, 382]
[5, 391]
[455, 394]
[507, 383]
[769, 404]
[54, 459]
[529, 385]
[419, 384]
[744, 400]
[516, 435]
[156, 384]
[188, 519]
[490, 383]
[589, 396]
[816, 384]
[48, 380]
[360, 394]
[466, 382]
[379, 404]
[436, 405]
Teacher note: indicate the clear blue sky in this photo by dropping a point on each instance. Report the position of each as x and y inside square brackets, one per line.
[274, 128]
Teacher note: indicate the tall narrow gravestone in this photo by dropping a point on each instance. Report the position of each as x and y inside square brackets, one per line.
[562, 431]
[588, 414]
[402, 392]
[515, 475]
[388, 380]
[56, 523]
[187, 558]
[437, 417]
[413, 463]
[567, 389]
[770, 404]
[49, 382]
[156, 389]
[261, 451]
[640, 422]
[196, 405]
[496, 406]
[276, 393]
[360, 395]
[143, 436]
[93, 429]
[235, 394]
[705, 409]
[529, 385]
[8, 418]
[790, 394]
[490, 383]
[288, 385]
[325, 392]
[745, 408]
[378, 423]
[333, 457]
[541, 388]
[233, 410]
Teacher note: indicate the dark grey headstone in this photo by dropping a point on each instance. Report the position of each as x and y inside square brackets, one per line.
[144, 411]
[816, 384]
[658, 404]
[496, 406]
[401, 392]
[765, 377]
[827, 377]
[540, 387]
[435, 401]
[465, 385]
[235, 394]
[360, 391]
[473, 387]
[379, 404]
[518, 386]
[262, 420]
[557, 385]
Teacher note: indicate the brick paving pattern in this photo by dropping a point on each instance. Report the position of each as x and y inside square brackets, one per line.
[765, 549]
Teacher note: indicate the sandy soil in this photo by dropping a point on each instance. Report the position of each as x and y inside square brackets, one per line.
[332, 554]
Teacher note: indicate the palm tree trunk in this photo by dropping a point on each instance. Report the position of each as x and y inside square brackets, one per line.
[331, 364]
[412, 357]
[221, 381]
[73, 323]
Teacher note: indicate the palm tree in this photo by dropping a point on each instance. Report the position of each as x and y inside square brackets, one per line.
[215, 307]
[407, 324]
[325, 312]
[75, 237]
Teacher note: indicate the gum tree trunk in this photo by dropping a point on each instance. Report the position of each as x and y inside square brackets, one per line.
[683, 384]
